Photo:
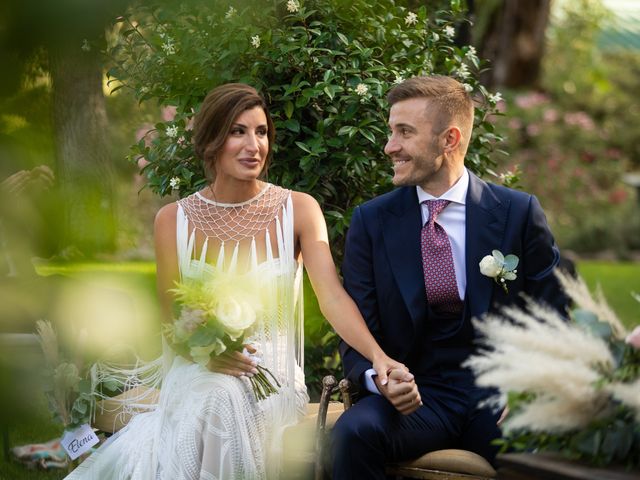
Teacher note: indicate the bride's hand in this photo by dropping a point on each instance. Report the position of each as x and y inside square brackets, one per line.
[236, 364]
[383, 364]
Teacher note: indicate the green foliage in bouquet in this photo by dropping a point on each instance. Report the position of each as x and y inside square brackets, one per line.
[324, 68]
[571, 387]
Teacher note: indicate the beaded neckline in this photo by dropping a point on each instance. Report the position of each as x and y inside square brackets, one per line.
[239, 204]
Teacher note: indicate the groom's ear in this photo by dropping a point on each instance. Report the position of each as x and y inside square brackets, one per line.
[452, 138]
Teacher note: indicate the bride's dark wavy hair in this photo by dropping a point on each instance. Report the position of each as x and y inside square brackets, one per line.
[217, 113]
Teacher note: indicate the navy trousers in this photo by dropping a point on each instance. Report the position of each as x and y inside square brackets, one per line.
[373, 433]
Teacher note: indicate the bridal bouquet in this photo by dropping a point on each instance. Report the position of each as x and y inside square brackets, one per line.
[216, 315]
[571, 386]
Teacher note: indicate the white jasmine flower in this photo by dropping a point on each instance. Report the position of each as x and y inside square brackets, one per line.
[471, 52]
[172, 131]
[435, 37]
[463, 71]
[169, 47]
[468, 88]
[144, 89]
[449, 31]
[174, 183]
[230, 13]
[398, 79]
[293, 6]
[255, 41]
[362, 89]
[495, 98]
[411, 19]
[85, 45]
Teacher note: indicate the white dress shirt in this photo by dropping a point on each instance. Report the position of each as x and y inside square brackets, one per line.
[452, 220]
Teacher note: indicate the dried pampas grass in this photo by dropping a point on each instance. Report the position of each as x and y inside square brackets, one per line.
[48, 342]
[628, 394]
[578, 291]
[537, 351]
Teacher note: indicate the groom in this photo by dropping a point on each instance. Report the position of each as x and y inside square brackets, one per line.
[412, 265]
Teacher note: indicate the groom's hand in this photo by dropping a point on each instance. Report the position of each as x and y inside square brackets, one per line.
[401, 390]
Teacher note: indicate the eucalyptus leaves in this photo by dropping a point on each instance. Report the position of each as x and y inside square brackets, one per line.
[67, 383]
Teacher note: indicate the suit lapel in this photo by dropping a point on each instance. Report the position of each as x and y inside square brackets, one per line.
[485, 226]
[401, 224]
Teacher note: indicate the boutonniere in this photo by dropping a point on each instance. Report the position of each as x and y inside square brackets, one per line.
[500, 268]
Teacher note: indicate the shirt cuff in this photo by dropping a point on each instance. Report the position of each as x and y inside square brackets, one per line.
[369, 382]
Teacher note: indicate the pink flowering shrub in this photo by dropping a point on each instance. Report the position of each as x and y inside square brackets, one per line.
[570, 160]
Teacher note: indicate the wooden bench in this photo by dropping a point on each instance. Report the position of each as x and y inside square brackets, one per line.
[304, 445]
[548, 466]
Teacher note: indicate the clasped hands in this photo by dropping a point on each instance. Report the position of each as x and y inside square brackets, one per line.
[397, 385]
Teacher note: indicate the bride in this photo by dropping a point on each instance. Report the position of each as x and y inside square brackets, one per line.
[207, 423]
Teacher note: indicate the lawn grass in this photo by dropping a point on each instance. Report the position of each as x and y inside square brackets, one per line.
[38, 428]
[617, 280]
[24, 411]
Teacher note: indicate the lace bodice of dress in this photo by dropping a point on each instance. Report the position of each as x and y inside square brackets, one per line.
[237, 236]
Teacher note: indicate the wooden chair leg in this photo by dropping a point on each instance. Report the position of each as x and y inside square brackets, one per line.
[345, 391]
[328, 386]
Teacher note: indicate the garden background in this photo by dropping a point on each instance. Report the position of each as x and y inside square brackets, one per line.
[558, 83]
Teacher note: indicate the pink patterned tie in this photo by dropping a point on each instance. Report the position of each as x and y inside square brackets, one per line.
[437, 262]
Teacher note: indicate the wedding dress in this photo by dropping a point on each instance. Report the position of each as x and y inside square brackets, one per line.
[208, 425]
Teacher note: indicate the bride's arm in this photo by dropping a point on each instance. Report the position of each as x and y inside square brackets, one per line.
[166, 257]
[336, 305]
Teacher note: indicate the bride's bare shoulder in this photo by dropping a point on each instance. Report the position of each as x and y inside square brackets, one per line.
[303, 201]
[166, 218]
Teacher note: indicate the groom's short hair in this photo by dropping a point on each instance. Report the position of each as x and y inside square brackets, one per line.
[448, 96]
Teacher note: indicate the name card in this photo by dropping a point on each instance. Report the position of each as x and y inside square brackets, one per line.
[78, 441]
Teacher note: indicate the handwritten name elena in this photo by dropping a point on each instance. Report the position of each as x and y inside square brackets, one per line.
[76, 443]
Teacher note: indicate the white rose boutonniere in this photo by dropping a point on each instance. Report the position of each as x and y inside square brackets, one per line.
[500, 268]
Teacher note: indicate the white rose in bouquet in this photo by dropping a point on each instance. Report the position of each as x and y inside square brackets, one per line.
[236, 315]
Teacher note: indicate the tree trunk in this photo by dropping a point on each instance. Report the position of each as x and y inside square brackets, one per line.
[83, 164]
[514, 42]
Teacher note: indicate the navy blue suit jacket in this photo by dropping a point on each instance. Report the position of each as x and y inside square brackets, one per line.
[382, 267]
